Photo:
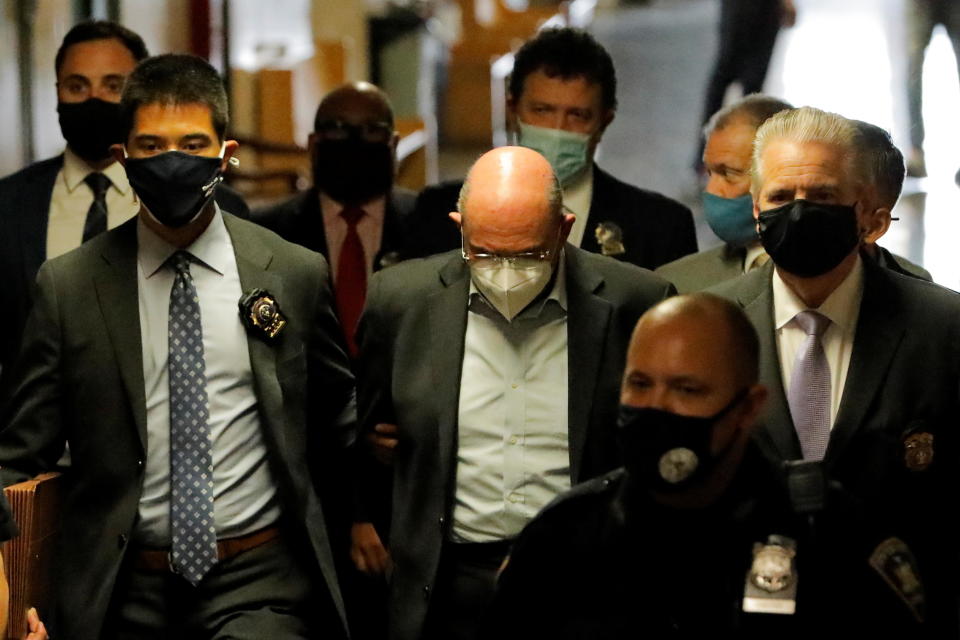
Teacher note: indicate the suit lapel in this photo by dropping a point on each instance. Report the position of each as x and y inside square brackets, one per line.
[448, 327]
[253, 263]
[880, 330]
[588, 320]
[601, 210]
[117, 295]
[35, 216]
[756, 298]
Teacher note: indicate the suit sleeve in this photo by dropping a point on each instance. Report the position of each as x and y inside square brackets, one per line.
[32, 438]
[374, 382]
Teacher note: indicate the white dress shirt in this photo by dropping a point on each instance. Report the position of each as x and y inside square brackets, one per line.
[72, 197]
[576, 200]
[513, 453]
[369, 228]
[842, 307]
[243, 487]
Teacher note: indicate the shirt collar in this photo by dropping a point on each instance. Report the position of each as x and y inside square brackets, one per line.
[754, 251]
[212, 248]
[330, 208]
[75, 170]
[842, 306]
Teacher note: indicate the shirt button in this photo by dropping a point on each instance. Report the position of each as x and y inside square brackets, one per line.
[513, 440]
[514, 498]
[514, 385]
[441, 521]
[139, 463]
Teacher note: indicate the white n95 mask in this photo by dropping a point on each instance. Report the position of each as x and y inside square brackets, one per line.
[508, 287]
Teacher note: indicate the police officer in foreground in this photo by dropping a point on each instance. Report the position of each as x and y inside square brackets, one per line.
[697, 535]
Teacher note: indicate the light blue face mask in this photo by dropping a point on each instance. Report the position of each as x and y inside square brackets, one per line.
[565, 150]
[731, 218]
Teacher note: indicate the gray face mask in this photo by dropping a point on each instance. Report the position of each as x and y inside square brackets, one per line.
[565, 150]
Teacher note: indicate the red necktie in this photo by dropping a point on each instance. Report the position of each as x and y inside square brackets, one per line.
[350, 287]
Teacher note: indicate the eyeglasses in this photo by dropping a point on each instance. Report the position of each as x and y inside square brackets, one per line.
[380, 132]
[519, 261]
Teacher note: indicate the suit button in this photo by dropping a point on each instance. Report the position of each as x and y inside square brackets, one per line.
[441, 521]
[426, 592]
[121, 541]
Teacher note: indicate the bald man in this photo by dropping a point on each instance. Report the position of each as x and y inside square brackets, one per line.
[499, 364]
[352, 214]
[663, 547]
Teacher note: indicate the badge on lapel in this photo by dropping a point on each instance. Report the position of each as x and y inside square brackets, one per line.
[610, 238]
[895, 563]
[771, 585]
[260, 313]
[918, 450]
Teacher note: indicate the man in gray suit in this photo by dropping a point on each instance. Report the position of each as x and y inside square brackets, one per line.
[499, 364]
[195, 430]
[728, 207]
[862, 363]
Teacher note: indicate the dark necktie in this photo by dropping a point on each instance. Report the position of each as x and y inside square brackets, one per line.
[96, 221]
[350, 287]
[809, 395]
[193, 548]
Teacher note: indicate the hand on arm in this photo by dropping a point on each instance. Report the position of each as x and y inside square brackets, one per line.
[367, 551]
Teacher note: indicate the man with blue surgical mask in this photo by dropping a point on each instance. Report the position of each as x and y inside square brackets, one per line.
[561, 99]
[728, 206]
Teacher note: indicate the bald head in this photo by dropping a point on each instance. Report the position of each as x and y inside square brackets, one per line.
[699, 350]
[511, 203]
[355, 103]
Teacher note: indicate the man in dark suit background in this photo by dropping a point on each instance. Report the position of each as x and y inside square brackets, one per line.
[190, 505]
[561, 99]
[50, 207]
[352, 214]
[862, 363]
[728, 207]
[499, 365]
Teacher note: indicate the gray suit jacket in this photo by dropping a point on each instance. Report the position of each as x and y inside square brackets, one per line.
[903, 381]
[412, 343]
[80, 380]
[711, 267]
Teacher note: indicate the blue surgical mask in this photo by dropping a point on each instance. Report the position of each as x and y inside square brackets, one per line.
[565, 150]
[731, 218]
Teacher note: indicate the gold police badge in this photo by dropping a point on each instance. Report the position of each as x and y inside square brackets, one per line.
[918, 451]
[261, 315]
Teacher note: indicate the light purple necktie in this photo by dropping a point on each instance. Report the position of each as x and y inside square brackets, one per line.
[809, 395]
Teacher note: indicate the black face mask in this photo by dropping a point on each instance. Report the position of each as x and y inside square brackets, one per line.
[174, 186]
[90, 127]
[667, 452]
[809, 239]
[353, 171]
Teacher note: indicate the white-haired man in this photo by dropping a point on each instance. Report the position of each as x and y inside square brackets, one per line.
[863, 364]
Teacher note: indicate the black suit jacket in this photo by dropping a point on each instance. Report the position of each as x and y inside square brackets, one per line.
[903, 381]
[656, 229]
[24, 209]
[300, 220]
[411, 355]
[80, 381]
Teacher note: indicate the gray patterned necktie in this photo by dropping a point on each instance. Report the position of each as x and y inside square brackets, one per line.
[809, 395]
[194, 540]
